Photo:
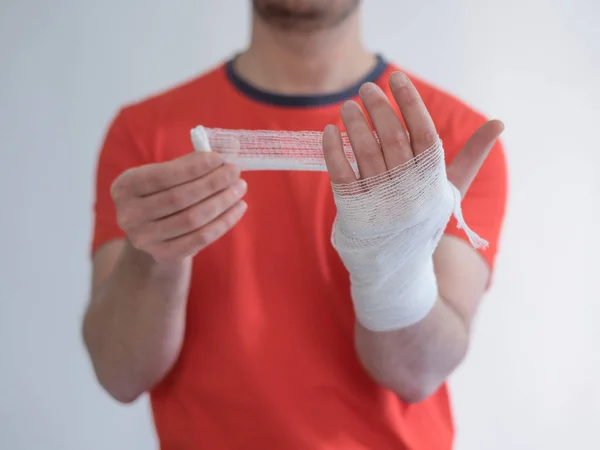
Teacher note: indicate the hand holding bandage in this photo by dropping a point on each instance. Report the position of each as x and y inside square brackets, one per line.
[391, 217]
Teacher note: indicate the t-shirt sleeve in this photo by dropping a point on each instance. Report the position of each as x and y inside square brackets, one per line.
[119, 152]
[485, 202]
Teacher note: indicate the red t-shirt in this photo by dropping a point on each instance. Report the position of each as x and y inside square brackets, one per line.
[268, 360]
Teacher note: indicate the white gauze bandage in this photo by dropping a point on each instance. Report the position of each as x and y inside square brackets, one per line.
[386, 228]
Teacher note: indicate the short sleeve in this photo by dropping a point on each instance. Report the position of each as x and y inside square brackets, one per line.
[484, 204]
[118, 153]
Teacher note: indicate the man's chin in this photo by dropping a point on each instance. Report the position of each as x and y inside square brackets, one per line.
[305, 15]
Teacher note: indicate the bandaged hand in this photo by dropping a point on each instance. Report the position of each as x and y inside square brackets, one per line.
[393, 212]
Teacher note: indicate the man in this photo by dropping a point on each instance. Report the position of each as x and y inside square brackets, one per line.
[221, 294]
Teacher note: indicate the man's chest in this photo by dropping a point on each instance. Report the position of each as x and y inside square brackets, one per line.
[288, 222]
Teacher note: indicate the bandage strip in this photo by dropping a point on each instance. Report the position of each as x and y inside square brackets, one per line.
[386, 228]
[268, 150]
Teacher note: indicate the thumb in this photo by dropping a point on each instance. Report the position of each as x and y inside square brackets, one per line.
[464, 167]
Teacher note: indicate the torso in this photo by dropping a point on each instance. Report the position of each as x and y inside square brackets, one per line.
[268, 360]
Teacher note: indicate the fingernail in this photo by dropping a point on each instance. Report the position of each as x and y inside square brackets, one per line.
[240, 186]
[330, 128]
[399, 79]
[350, 106]
[368, 88]
[213, 159]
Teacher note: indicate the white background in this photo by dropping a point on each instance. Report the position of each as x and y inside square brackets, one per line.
[532, 378]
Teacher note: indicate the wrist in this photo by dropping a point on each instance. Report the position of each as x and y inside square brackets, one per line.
[396, 300]
[143, 264]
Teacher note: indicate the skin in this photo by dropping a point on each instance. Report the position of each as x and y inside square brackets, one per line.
[135, 322]
[304, 16]
[416, 360]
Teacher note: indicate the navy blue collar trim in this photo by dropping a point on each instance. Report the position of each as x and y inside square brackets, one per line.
[302, 101]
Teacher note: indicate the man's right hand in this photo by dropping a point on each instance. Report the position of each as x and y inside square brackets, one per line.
[172, 210]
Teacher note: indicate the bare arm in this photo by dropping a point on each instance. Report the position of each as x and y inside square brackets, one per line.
[134, 325]
[416, 360]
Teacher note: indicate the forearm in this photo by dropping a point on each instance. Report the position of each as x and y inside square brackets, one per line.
[134, 326]
[415, 361]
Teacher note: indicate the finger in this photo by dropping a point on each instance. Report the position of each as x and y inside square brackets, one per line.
[178, 198]
[392, 135]
[340, 170]
[423, 134]
[364, 145]
[152, 178]
[227, 146]
[192, 243]
[464, 167]
[198, 215]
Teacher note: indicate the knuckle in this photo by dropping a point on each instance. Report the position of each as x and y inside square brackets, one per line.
[191, 171]
[229, 220]
[408, 99]
[428, 136]
[395, 137]
[206, 237]
[232, 172]
[234, 194]
[371, 153]
[213, 208]
[190, 219]
[118, 186]
[214, 182]
[365, 146]
[176, 198]
[154, 178]
[222, 177]
[124, 220]
[210, 161]
[221, 229]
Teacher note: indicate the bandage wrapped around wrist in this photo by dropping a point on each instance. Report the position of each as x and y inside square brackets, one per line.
[386, 228]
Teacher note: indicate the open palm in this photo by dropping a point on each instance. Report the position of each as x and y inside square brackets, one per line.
[395, 148]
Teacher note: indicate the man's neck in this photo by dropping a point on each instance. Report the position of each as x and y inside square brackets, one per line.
[301, 63]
